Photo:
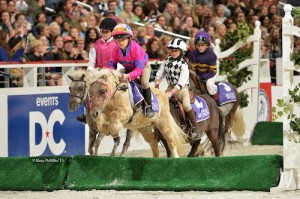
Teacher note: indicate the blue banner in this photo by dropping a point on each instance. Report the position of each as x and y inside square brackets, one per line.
[42, 125]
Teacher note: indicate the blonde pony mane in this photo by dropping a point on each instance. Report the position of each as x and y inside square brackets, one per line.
[78, 74]
[104, 75]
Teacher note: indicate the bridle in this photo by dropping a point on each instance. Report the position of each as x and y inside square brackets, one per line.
[109, 94]
[83, 97]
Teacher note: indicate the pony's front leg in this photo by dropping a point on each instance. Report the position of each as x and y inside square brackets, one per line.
[116, 144]
[166, 130]
[126, 144]
[150, 137]
[116, 124]
[98, 140]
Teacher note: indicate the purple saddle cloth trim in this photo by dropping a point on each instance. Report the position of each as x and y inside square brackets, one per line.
[226, 93]
[137, 97]
[201, 109]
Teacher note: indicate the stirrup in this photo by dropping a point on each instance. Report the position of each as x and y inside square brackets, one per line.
[149, 112]
[194, 135]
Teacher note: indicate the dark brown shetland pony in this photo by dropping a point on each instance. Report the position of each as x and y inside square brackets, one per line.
[213, 127]
[112, 110]
[232, 115]
[78, 96]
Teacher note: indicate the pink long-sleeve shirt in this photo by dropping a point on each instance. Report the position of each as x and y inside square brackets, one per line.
[99, 55]
[134, 60]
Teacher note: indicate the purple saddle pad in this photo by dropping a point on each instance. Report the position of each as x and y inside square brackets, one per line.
[201, 109]
[226, 93]
[136, 96]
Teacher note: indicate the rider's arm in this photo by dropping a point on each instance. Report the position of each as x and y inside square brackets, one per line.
[140, 61]
[92, 59]
[184, 76]
[113, 62]
[161, 72]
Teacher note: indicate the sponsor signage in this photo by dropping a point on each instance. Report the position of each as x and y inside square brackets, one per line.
[42, 125]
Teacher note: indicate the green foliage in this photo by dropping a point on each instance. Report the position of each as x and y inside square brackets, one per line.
[295, 56]
[229, 65]
[284, 108]
[296, 13]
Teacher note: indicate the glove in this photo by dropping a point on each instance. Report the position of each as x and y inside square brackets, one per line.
[124, 78]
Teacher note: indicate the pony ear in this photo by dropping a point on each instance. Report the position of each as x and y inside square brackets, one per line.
[71, 78]
[82, 77]
[105, 77]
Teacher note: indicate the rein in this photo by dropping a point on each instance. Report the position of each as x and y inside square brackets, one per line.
[109, 91]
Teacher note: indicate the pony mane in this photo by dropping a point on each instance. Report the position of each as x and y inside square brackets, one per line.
[110, 75]
[78, 74]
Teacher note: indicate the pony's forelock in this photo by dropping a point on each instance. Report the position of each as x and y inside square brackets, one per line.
[99, 74]
[78, 74]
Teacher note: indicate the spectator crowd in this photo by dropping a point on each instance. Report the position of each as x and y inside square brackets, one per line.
[55, 30]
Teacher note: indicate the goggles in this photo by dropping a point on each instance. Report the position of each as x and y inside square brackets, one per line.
[202, 40]
[121, 36]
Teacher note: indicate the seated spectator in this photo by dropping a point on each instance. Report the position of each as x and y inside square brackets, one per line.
[153, 49]
[80, 45]
[160, 24]
[150, 33]
[5, 23]
[139, 14]
[91, 35]
[11, 49]
[71, 52]
[141, 33]
[187, 26]
[126, 14]
[40, 18]
[163, 43]
[175, 24]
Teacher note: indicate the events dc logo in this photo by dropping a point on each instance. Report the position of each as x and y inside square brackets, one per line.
[36, 117]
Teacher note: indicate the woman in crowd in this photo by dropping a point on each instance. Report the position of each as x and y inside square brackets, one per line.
[91, 36]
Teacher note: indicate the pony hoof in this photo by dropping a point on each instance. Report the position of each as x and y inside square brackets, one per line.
[191, 156]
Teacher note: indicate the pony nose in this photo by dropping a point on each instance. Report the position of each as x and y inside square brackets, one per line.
[72, 106]
[95, 114]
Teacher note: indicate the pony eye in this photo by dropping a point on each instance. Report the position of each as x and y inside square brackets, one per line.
[103, 91]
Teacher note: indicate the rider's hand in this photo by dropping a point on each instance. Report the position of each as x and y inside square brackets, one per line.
[124, 77]
[156, 83]
[169, 93]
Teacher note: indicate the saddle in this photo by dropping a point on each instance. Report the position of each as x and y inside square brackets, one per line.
[137, 99]
[198, 104]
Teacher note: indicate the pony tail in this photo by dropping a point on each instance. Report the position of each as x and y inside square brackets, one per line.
[238, 124]
[235, 120]
[221, 134]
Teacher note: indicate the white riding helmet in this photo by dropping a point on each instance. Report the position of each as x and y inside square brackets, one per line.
[177, 44]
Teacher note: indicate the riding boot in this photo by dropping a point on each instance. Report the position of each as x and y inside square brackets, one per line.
[81, 118]
[148, 109]
[195, 135]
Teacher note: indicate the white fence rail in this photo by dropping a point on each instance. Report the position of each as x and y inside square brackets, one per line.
[290, 176]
